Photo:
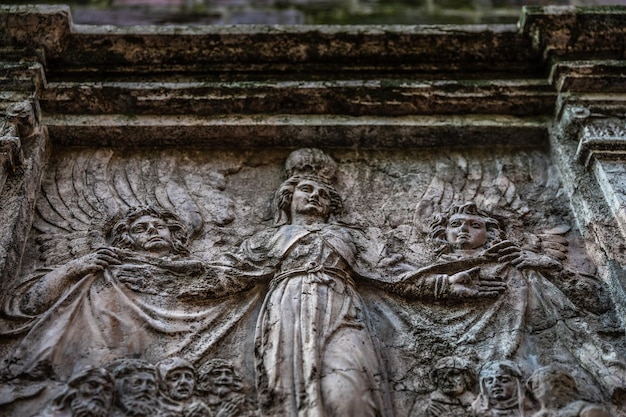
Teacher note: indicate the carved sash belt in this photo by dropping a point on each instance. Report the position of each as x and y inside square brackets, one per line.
[335, 278]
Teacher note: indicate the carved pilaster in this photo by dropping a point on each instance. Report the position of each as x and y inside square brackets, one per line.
[602, 138]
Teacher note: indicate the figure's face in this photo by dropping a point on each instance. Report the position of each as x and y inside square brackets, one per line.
[137, 393]
[180, 383]
[93, 397]
[451, 382]
[500, 387]
[466, 231]
[310, 198]
[151, 234]
[220, 381]
[554, 389]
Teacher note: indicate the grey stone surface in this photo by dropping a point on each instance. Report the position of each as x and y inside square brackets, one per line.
[169, 236]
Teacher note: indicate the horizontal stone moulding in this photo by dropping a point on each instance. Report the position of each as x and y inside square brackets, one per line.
[296, 130]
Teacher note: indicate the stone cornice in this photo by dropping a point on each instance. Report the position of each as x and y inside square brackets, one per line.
[85, 77]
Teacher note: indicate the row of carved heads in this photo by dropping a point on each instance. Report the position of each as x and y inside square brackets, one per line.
[173, 387]
[501, 390]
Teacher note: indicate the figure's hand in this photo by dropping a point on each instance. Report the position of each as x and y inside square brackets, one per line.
[467, 284]
[231, 408]
[136, 277]
[522, 259]
[198, 410]
[94, 262]
[496, 251]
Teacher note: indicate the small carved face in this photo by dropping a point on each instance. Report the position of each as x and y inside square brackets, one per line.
[310, 198]
[138, 389]
[221, 380]
[151, 234]
[556, 386]
[180, 383]
[451, 381]
[500, 387]
[94, 395]
[466, 231]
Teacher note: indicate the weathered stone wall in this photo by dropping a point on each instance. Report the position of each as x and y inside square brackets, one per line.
[454, 248]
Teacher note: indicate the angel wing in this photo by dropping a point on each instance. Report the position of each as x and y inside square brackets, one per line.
[83, 191]
[75, 201]
[521, 188]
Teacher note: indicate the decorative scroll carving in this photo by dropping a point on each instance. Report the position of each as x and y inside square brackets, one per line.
[601, 137]
[21, 116]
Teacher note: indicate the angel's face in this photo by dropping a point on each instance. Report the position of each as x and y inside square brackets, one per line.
[151, 234]
[466, 231]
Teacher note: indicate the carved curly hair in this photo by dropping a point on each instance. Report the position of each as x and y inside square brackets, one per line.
[121, 238]
[439, 224]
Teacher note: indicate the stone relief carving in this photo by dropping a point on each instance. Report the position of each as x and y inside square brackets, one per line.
[116, 301]
[557, 393]
[318, 306]
[177, 384]
[89, 393]
[136, 387]
[455, 380]
[19, 123]
[476, 261]
[501, 390]
[223, 390]
[314, 347]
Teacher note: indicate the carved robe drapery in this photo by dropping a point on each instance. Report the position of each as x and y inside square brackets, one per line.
[107, 315]
[315, 352]
[532, 321]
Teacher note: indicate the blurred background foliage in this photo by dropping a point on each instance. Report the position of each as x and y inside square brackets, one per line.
[340, 12]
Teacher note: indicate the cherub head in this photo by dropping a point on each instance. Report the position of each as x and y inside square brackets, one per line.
[150, 230]
[465, 227]
[89, 393]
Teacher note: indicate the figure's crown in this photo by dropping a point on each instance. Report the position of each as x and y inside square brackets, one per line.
[311, 162]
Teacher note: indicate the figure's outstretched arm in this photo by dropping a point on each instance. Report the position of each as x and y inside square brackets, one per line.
[51, 286]
[524, 259]
[234, 272]
[462, 285]
[218, 283]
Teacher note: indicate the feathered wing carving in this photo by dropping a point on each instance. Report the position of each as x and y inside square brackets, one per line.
[522, 188]
[85, 189]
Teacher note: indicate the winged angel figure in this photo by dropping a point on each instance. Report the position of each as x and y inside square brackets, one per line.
[114, 235]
